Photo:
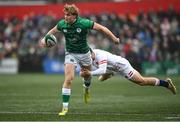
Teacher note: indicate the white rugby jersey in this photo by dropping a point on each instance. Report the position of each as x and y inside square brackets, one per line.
[106, 61]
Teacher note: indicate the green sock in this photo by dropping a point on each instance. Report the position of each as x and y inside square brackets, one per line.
[66, 98]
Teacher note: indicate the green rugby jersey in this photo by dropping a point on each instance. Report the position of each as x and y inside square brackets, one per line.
[76, 34]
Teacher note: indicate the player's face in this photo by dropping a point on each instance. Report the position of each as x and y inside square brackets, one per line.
[69, 18]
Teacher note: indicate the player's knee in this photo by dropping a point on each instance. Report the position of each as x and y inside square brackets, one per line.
[68, 81]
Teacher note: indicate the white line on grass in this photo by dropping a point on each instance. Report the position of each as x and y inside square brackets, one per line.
[175, 117]
[115, 114]
[25, 112]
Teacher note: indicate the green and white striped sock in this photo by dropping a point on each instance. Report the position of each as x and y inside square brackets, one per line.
[66, 96]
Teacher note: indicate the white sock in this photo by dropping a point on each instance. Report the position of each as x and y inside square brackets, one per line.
[66, 91]
[65, 105]
[157, 82]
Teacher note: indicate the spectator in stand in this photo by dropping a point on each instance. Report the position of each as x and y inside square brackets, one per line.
[147, 28]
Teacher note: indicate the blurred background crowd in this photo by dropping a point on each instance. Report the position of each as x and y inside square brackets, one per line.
[152, 36]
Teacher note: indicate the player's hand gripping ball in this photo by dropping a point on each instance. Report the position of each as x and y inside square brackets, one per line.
[50, 40]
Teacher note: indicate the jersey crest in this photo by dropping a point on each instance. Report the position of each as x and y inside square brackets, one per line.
[78, 30]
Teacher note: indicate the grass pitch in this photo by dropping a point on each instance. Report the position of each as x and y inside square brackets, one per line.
[37, 97]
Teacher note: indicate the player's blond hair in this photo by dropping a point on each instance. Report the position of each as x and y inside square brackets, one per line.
[71, 9]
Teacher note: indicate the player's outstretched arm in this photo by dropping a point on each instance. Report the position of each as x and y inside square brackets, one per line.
[106, 31]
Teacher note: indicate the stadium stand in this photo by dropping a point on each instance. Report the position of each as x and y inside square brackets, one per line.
[152, 36]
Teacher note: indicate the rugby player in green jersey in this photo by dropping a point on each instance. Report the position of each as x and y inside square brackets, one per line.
[75, 30]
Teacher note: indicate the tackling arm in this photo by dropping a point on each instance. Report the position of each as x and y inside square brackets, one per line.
[102, 67]
[101, 70]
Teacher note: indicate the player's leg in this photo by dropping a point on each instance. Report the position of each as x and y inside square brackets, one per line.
[87, 80]
[85, 63]
[143, 81]
[70, 64]
[86, 85]
[152, 81]
[66, 90]
[133, 75]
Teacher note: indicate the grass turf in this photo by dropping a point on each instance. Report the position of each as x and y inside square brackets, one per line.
[37, 97]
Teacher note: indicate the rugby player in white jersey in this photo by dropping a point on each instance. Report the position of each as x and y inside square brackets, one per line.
[107, 64]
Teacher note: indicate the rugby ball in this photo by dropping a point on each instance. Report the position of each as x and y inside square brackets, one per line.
[50, 40]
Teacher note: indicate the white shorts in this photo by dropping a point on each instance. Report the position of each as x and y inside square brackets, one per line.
[128, 72]
[81, 59]
[123, 67]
